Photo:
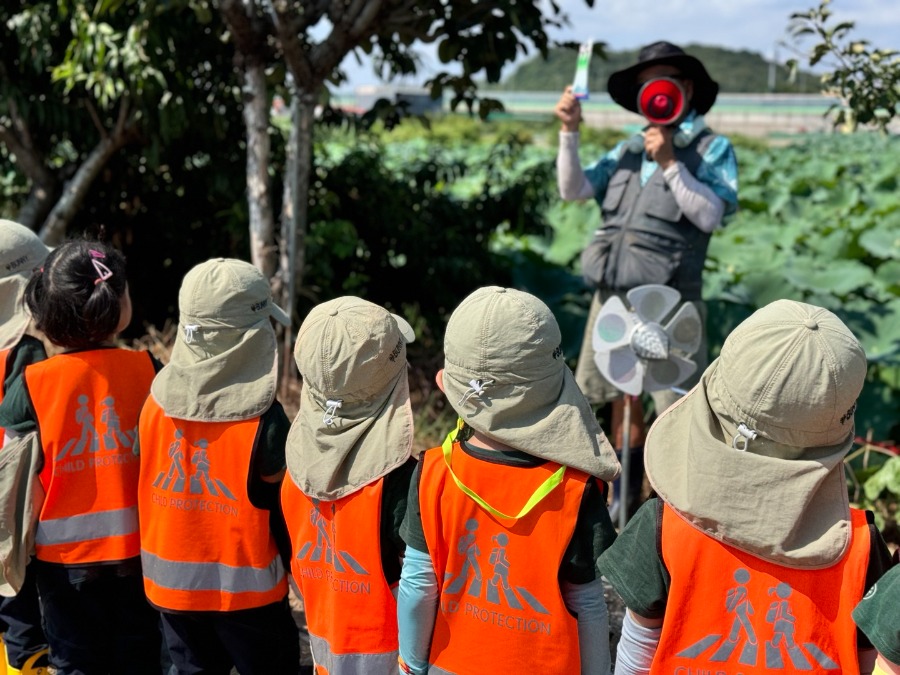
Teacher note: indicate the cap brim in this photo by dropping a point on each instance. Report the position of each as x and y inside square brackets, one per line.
[409, 335]
[279, 314]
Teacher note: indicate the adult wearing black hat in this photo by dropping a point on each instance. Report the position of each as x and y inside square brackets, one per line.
[661, 193]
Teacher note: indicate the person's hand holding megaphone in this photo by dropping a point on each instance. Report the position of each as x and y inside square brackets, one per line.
[568, 110]
[658, 145]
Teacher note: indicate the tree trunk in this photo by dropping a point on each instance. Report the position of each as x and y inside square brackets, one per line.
[294, 215]
[39, 204]
[263, 252]
[53, 232]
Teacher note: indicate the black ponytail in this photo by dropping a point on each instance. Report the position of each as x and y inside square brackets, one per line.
[75, 298]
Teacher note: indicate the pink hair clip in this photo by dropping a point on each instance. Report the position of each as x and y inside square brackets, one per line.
[103, 272]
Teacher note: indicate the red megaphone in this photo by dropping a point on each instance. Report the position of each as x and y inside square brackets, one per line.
[662, 101]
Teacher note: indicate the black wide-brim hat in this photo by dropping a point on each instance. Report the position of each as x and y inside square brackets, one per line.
[623, 88]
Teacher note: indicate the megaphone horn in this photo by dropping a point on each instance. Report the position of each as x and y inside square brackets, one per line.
[662, 101]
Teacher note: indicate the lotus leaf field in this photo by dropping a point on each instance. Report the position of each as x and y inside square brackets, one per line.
[818, 221]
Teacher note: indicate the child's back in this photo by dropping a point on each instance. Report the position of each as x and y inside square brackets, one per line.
[84, 402]
[212, 440]
[751, 558]
[21, 252]
[348, 476]
[506, 520]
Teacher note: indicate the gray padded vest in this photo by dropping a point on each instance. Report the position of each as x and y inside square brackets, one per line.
[645, 238]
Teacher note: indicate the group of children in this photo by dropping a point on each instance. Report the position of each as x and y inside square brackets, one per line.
[172, 505]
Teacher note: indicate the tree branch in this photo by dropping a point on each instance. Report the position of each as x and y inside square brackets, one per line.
[360, 22]
[54, 229]
[30, 161]
[287, 32]
[247, 29]
[95, 118]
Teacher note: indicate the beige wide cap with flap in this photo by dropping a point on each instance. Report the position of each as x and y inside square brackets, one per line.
[223, 365]
[355, 422]
[753, 455]
[506, 377]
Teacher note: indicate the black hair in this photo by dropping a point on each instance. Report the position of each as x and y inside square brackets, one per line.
[73, 300]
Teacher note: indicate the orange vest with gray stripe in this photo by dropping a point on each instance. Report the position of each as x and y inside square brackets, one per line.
[336, 561]
[204, 545]
[87, 405]
[501, 608]
[731, 612]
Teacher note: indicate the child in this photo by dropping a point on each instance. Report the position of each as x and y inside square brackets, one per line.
[348, 476]
[84, 403]
[212, 457]
[21, 252]
[751, 559]
[504, 523]
[878, 616]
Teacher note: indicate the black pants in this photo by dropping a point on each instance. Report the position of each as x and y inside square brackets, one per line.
[260, 641]
[98, 621]
[23, 634]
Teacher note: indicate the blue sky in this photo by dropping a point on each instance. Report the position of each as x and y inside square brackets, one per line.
[756, 25]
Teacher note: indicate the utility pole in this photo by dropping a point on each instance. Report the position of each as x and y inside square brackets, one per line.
[773, 64]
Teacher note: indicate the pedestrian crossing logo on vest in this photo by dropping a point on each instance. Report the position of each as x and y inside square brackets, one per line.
[103, 444]
[779, 652]
[336, 566]
[508, 605]
[189, 474]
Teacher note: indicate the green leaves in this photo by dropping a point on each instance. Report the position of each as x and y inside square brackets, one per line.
[820, 222]
[886, 478]
[883, 240]
[865, 78]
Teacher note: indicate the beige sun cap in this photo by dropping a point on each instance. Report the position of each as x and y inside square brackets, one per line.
[505, 376]
[223, 364]
[21, 252]
[753, 454]
[355, 421]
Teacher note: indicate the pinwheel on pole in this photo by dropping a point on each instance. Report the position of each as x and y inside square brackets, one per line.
[637, 350]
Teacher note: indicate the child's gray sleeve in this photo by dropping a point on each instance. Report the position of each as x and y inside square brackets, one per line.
[586, 601]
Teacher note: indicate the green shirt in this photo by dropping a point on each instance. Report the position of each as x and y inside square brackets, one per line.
[28, 350]
[878, 615]
[635, 568]
[594, 531]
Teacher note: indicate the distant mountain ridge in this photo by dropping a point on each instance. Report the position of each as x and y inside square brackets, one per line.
[736, 71]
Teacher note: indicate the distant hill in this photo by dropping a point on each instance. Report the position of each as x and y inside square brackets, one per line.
[735, 71]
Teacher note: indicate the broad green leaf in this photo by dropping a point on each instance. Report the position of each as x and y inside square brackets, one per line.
[883, 241]
[838, 276]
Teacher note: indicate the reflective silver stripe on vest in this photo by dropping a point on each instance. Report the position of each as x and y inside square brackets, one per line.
[352, 664]
[87, 526]
[210, 576]
[439, 671]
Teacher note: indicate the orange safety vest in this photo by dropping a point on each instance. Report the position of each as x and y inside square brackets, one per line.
[501, 608]
[87, 405]
[336, 561]
[731, 612]
[204, 545]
